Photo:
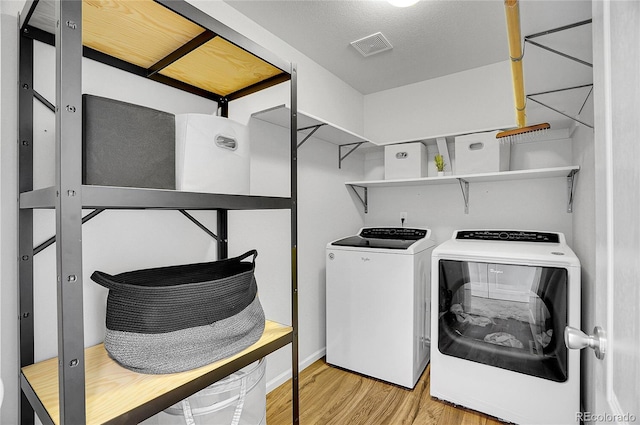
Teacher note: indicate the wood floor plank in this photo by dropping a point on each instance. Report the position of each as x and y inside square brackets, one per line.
[333, 396]
[430, 409]
[473, 418]
[450, 415]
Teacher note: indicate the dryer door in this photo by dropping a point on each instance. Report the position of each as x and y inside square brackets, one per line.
[504, 315]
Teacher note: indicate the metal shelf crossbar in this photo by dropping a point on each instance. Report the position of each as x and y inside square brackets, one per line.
[528, 39]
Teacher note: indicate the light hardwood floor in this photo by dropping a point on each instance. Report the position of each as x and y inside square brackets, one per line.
[332, 396]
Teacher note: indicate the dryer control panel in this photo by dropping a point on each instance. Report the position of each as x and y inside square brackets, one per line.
[508, 235]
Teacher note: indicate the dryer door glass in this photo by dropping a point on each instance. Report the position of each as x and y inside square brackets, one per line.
[504, 315]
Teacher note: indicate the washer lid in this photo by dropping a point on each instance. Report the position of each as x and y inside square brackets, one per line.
[384, 237]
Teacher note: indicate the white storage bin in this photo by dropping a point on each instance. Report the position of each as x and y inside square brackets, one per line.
[212, 154]
[405, 161]
[239, 399]
[481, 153]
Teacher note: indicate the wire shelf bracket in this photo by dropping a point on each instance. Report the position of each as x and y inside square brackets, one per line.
[364, 198]
[528, 39]
[571, 180]
[313, 129]
[530, 97]
[353, 147]
[464, 187]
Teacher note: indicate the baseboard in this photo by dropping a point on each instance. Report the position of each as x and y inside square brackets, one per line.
[286, 375]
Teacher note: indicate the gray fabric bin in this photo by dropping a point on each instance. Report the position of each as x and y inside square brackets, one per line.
[127, 145]
[176, 318]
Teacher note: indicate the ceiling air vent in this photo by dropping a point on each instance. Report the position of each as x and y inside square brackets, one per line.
[372, 44]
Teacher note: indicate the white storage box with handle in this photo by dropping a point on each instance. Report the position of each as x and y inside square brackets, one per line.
[405, 161]
[238, 399]
[212, 154]
[481, 153]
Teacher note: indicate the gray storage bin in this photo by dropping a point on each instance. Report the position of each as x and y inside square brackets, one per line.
[127, 145]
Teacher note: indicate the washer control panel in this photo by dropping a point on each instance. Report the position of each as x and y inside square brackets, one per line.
[403, 233]
[508, 235]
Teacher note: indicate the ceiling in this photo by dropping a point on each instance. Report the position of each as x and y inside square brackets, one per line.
[431, 39]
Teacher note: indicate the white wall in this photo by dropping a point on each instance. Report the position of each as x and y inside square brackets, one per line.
[116, 241]
[453, 104]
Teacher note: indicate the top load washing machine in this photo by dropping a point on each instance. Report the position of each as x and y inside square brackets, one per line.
[378, 305]
[501, 302]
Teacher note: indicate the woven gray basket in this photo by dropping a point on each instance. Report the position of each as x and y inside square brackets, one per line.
[176, 318]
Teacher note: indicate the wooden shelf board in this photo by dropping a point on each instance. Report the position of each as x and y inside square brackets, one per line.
[139, 32]
[144, 33]
[484, 177]
[116, 394]
[214, 67]
[281, 116]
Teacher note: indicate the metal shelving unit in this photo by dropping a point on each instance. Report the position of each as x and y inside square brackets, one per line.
[83, 385]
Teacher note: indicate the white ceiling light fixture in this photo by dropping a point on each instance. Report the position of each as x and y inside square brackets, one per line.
[403, 3]
[372, 44]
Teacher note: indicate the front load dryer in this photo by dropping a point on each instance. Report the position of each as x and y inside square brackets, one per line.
[501, 302]
[378, 303]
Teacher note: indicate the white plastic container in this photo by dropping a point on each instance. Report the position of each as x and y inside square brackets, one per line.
[405, 161]
[481, 153]
[212, 154]
[239, 399]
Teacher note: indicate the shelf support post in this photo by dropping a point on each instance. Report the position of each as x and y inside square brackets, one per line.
[364, 199]
[570, 189]
[71, 376]
[293, 128]
[223, 234]
[464, 186]
[25, 216]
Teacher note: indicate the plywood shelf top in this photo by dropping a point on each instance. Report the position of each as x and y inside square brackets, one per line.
[156, 39]
[117, 395]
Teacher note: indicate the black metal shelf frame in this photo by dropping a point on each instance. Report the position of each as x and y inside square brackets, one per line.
[68, 197]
